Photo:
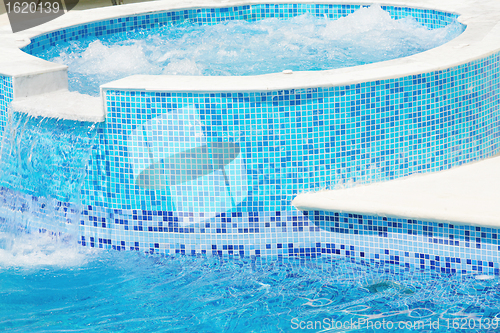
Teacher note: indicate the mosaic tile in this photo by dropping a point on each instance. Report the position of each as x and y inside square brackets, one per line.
[6, 95]
[289, 142]
[245, 156]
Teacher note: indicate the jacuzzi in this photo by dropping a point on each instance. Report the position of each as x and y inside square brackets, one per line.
[210, 165]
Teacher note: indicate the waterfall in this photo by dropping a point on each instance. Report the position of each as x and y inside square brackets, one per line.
[43, 162]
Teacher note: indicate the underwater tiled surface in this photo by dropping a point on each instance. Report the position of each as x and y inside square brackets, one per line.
[38, 214]
[430, 18]
[214, 173]
[422, 244]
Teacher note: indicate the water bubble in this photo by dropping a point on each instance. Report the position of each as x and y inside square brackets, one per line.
[271, 45]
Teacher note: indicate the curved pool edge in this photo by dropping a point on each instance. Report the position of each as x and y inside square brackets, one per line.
[481, 38]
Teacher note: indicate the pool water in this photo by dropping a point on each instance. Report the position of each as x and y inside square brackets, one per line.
[48, 282]
[303, 43]
[47, 287]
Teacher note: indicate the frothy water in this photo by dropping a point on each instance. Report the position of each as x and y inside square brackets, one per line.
[38, 233]
[303, 43]
[34, 251]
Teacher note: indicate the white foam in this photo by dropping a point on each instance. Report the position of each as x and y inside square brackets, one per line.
[183, 66]
[106, 59]
[238, 47]
[39, 250]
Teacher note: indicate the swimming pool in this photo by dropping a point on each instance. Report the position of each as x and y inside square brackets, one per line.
[267, 138]
[238, 47]
[231, 229]
[50, 282]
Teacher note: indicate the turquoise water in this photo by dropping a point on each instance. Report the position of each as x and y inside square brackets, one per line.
[59, 288]
[303, 43]
[44, 156]
[49, 283]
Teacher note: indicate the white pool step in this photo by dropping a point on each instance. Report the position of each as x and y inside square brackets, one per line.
[469, 194]
[61, 104]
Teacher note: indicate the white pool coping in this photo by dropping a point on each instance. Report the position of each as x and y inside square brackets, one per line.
[469, 194]
[33, 76]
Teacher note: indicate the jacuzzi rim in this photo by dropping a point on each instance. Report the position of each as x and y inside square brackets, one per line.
[480, 39]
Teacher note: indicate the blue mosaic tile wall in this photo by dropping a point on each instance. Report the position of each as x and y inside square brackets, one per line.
[409, 244]
[245, 156]
[287, 142]
[430, 18]
[439, 246]
[214, 173]
[6, 96]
